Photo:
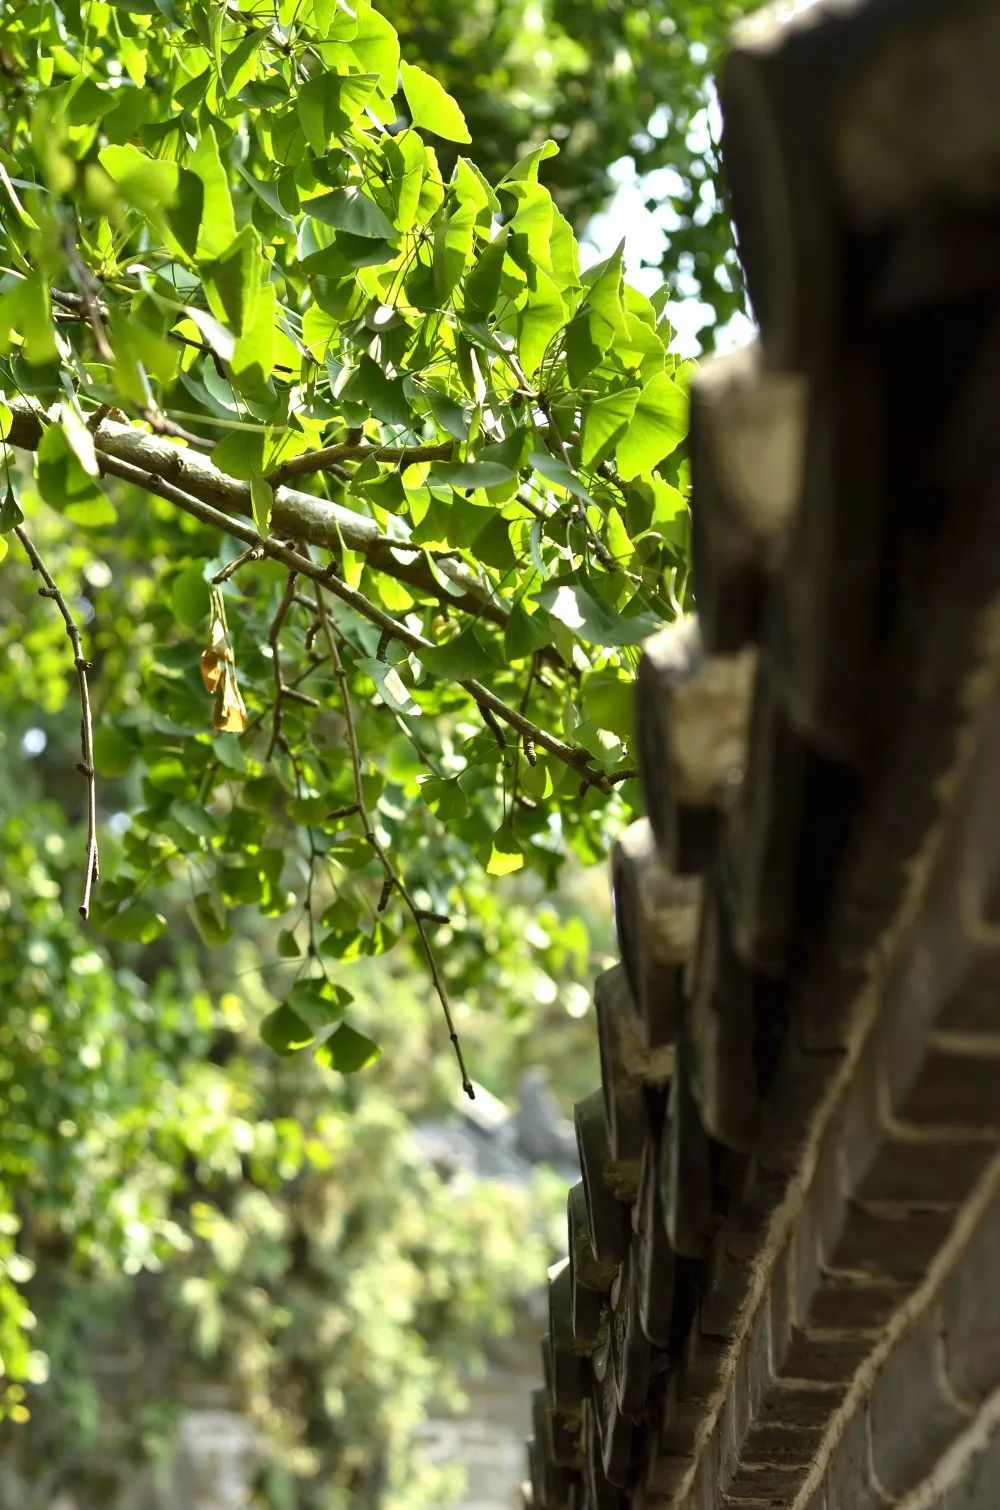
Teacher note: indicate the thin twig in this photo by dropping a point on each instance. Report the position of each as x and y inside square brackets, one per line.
[252, 553]
[160, 424]
[527, 743]
[331, 456]
[575, 756]
[274, 640]
[489, 719]
[579, 510]
[392, 876]
[347, 811]
[92, 872]
[95, 311]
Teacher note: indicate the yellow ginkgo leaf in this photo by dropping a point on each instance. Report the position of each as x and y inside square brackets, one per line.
[229, 713]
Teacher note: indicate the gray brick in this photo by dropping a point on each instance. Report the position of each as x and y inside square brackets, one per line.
[854, 1302]
[680, 1421]
[727, 1284]
[705, 1491]
[850, 1485]
[665, 1472]
[820, 1225]
[972, 1005]
[781, 1307]
[890, 1243]
[702, 1365]
[910, 1166]
[913, 1413]
[753, 1375]
[970, 1301]
[978, 1488]
[787, 1118]
[777, 1443]
[799, 1403]
[770, 1483]
[763, 1191]
[824, 1358]
[727, 1436]
[862, 1128]
[955, 1088]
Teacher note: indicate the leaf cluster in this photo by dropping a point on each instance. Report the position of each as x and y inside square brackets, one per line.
[240, 298]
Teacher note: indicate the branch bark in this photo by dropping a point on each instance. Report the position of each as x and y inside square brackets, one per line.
[575, 756]
[294, 515]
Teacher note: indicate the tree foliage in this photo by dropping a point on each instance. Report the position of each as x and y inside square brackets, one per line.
[359, 495]
[241, 278]
[607, 80]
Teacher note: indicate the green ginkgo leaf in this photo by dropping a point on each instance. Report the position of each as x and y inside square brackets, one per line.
[656, 428]
[431, 106]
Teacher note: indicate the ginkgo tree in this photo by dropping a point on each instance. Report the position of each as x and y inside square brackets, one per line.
[396, 488]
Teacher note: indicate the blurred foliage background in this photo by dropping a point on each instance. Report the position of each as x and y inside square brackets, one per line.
[177, 1205]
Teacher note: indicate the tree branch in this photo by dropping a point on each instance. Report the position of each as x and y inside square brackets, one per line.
[92, 870]
[392, 877]
[295, 515]
[574, 756]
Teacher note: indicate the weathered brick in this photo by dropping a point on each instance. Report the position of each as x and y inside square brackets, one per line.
[687, 1170]
[955, 1087]
[890, 1242]
[702, 1365]
[971, 1007]
[781, 1306]
[775, 1443]
[619, 1044]
[978, 1487]
[854, 1303]
[912, 1166]
[767, 1483]
[728, 1280]
[655, 917]
[722, 1021]
[761, 1190]
[752, 1379]
[970, 1301]
[727, 1436]
[691, 713]
[800, 1082]
[820, 1225]
[665, 1471]
[655, 1255]
[913, 1413]
[763, 833]
[705, 1489]
[799, 1402]
[824, 1357]
[680, 1421]
[607, 1214]
[850, 1485]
